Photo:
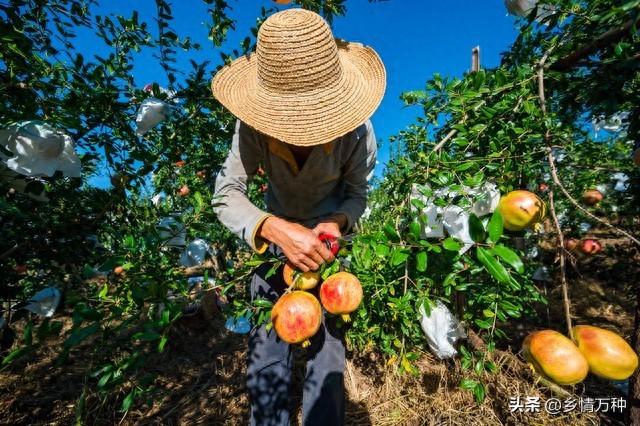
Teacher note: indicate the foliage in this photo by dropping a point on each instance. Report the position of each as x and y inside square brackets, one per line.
[497, 130]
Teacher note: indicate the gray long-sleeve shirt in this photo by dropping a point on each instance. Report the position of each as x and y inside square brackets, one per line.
[334, 179]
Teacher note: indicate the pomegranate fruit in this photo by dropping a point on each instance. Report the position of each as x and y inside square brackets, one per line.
[260, 171]
[590, 246]
[543, 187]
[341, 294]
[180, 163]
[609, 356]
[184, 191]
[299, 280]
[296, 317]
[202, 174]
[282, 1]
[592, 197]
[118, 270]
[521, 209]
[20, 268]
[555, 356]
[570, 244]
[264, 187]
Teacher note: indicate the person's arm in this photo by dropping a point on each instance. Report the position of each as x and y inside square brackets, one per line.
[234, 209]
[230, 202]
[357, 173]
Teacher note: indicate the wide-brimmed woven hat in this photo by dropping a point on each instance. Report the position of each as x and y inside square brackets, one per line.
[301, 86]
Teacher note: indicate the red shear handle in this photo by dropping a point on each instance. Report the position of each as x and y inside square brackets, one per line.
[330, 241]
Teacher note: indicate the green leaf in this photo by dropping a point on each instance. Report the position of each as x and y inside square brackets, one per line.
[128, 401]
[398, 257]
[162, 343]
[451, 244]
[103, 291]
[509, 256]
[421, 261]
[79, 334]
[391, 233]
[495, 226]
[15, 354]
[415, 230]
[476, 230]
[495, 268]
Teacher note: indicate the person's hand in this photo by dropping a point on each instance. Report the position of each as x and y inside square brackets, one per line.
[299, 244]
[331, 226]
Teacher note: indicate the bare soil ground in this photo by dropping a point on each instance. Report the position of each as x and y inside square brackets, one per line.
[200, 376]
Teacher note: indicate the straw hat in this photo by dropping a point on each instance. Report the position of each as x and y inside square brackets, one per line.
[302, 86]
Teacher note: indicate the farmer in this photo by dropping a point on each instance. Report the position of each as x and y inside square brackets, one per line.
[303, 101]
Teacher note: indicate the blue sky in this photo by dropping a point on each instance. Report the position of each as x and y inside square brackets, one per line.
[415, 39]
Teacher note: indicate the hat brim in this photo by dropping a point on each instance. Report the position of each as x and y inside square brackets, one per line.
[312, 117]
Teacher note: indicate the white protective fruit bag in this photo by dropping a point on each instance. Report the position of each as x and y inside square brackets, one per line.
[442, 329]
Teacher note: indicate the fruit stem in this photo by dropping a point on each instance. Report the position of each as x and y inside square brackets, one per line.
[346, 318]
[306, 344]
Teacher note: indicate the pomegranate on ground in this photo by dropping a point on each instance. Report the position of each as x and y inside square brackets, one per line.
[521, 209]
[592, 197]
[570, 244]
[590, 246]
[341, 294]
[300, 280]
[555, 356]
[609, 356]
[296, 317]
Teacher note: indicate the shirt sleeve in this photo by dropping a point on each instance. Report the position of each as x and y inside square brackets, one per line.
[230, 201]
[357, 173]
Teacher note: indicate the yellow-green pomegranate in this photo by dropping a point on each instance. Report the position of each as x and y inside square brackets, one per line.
[555, 356]
[609, 355]
[521, 209]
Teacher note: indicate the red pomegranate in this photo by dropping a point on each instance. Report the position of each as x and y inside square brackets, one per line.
[264, 187]
[296, 317]
[570, 244]
[592, 197]
[590, 246]
[543, 187]
[260, 171]
[202, 174]
[341, 294]
[20, 268]
[118, 270]
[184, 191]
[180, 163]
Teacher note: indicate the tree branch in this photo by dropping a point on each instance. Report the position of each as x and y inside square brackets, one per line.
[606, 39]
[566, 301]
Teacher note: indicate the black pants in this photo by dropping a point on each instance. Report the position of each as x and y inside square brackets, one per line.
[270, 363]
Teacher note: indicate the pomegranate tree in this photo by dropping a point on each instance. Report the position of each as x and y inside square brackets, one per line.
[341, 294]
